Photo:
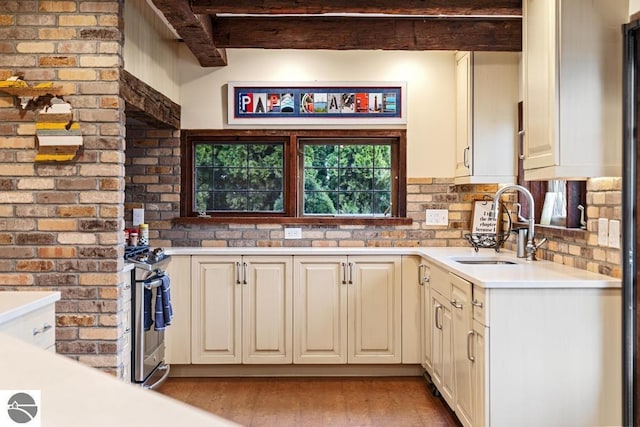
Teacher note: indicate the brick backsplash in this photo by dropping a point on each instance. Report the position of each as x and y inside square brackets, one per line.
[60, 223]
[153, 172]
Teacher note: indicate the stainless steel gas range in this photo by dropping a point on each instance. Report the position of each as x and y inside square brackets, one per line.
[149, 282]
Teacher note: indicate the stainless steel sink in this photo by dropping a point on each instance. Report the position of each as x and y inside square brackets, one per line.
[484, 261]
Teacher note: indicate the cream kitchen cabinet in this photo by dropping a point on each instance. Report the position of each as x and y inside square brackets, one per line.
[425, 316]
[241, 309]
[486, 116]
[572, 59]
[497, 350]
[30, 316]
[412, 313]
[177, 337]
[451, 334]
[347, 309]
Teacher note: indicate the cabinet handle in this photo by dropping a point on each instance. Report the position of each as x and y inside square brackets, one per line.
[420, 276]
[238, 273]
[42, 330]
[456, 304]
[344, 272]
[470, 356]
[465, 160]
[521, 137]
[476, 303]
[350, 273]
[438, 307]
[244, 273]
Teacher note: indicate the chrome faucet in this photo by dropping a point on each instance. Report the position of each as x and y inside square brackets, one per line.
[531, 247]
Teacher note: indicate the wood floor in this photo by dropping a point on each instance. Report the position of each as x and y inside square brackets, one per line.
[404, 401]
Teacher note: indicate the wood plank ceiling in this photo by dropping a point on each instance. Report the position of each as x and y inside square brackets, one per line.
[208, 27]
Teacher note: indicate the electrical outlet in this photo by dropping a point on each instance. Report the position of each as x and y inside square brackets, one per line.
[614, 233]
[293, 233]
[603, 231]
[437, 217]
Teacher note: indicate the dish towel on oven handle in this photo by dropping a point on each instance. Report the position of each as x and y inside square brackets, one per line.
[164, 310]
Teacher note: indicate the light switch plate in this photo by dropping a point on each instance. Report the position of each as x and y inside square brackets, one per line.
[293, 233]
[437, 217]
[603, 231]
[614, 233]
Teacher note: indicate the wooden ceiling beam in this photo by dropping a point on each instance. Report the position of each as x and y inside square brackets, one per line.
[404, 7]
[194, 29]
[480, 34]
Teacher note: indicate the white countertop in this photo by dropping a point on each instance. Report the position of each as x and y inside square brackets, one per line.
[14, 304]
[75, 395]
[522, 274]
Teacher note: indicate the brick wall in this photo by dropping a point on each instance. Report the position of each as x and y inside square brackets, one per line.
[60, 223]
[153, 171]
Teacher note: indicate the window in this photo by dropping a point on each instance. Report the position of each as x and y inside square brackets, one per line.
[294, 176]
[347, 177]
[239, 177]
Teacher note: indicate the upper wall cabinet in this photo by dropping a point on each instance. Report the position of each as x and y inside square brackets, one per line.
[572, 67]
[486, 116]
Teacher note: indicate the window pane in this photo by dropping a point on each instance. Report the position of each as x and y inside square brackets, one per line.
[204, 155]
[204, 201]
[356, 179]
[359, 185]
[383, 156]
[230, 155]
[382, 179]
[240, 177]
[356, 156]
[320, 202]
[356, 203]
[382, 202]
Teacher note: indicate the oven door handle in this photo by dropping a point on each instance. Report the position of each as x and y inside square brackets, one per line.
[152, 283]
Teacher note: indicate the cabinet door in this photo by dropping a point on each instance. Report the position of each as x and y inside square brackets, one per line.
[320, 310]
[412, 310]
[178, 335]
[442, 347]
[216, 310]
[539, 48]
[426, 316]
[462, 336]
[375, 333]
[480, 373]
[267, 310]
[464, 114]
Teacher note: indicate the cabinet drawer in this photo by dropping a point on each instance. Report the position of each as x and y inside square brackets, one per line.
[479, 302]
[37, 327]
[439, 280]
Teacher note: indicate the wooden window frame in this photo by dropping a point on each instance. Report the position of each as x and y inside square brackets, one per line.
[292, 213]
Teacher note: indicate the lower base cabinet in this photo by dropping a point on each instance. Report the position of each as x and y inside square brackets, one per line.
[347, 309]
[526, 357]
[241, 310]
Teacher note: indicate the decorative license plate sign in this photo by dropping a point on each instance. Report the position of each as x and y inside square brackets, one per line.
[317, 102]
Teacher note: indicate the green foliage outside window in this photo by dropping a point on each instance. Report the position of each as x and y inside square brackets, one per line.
[347, 179]
[239, 177]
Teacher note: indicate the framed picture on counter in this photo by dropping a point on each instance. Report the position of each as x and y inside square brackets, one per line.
[482, 220]
[295, 103]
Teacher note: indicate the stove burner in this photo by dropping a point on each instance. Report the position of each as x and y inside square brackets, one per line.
[143, 256]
